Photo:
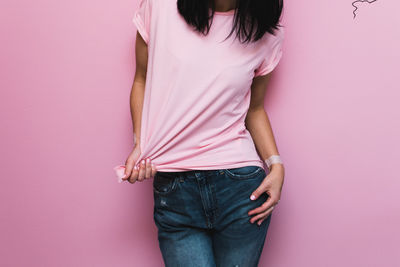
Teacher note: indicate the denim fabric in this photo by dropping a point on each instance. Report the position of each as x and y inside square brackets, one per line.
[202, 220]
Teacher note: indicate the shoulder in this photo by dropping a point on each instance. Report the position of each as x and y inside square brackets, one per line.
[157, 4]
[271, 40]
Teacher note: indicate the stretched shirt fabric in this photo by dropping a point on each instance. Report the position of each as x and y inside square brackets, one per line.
[197, 90]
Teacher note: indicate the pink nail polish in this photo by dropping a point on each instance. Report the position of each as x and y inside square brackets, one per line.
[143, 161]
[252, 197]
[148, 160]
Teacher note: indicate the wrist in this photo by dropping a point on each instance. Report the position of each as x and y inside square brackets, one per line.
[136, 139]
[277, 166]
[136, 144]
[274, 162]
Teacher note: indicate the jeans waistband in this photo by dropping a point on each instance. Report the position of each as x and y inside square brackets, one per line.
[194, 173]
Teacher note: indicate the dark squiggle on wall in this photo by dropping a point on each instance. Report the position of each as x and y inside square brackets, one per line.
[360, 1]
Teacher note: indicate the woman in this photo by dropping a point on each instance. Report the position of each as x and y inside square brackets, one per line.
[200, 127]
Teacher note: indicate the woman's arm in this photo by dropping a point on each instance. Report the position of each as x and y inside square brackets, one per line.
[258, 124]
[138, 87]
[257, 121]
[147, 169]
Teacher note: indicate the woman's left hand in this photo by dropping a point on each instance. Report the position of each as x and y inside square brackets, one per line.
[271, 185]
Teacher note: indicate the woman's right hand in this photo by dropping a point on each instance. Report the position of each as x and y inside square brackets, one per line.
[146, 169]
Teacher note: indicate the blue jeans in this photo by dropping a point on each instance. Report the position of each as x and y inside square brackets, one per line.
[202, 220]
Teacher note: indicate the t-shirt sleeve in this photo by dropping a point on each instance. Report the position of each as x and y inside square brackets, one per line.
[142, 19]
[273, 54]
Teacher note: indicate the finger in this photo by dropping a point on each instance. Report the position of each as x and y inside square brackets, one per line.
[261, 215]
[128, 170]
[133, 177]
[148, 169]
[259, 190]
[266, 205]
[261, 220]
[142, 170]
[153, 170]
[265, 216]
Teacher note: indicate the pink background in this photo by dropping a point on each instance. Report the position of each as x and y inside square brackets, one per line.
[65, 77]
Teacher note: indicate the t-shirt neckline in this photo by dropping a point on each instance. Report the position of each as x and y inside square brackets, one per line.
[224, 13]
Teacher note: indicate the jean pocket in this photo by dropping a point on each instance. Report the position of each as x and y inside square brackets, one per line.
[244, 173]
[164, 183]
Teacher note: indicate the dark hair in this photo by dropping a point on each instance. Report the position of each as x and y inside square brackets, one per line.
[252, 18]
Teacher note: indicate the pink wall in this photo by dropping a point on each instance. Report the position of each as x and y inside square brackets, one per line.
[66, 71]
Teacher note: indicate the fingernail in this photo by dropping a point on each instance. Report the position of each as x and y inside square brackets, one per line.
[135, 167]
[143, 161]
[147, 160]
[252, 197]
[259, 223]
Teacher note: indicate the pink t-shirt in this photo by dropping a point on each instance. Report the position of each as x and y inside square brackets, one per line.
[197, 90]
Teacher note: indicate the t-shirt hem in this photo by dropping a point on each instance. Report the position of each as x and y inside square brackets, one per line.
[272, 66]
[137, 20]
